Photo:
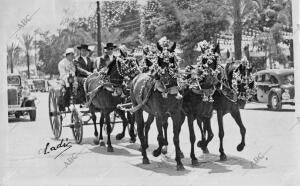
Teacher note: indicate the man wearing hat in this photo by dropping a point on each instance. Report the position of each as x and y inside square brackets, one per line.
[108, 57]
[83, 61]
[67, 67]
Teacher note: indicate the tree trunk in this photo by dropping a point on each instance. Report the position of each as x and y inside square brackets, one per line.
[238, 27]
[11, 64]
[28, 65]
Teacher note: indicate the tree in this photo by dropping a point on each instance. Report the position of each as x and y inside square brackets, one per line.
[239, 12]
[27, 43]
[13, 52]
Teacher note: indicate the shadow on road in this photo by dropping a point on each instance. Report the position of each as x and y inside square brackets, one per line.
[117, 151]
[162, 168]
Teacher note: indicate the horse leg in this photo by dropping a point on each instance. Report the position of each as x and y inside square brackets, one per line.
[108, 130]
[201, 143]
[221, 135]
[94, 118]
[102, 143]
[165, 143]
[181, 121]
[160, 137]
[130, 119]
[125, 122]
[237, 117]
[210, 134]
[140, 129]
[148, 123]
[176, 117]
[192, 140]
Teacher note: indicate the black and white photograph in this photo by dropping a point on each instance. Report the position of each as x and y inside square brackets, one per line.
[150, 92]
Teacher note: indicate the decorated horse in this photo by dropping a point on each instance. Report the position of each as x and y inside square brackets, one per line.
[235, 88]
[151, 94]
[107, 89]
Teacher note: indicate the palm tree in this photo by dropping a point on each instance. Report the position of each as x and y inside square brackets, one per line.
[27, 40]
[13, 52]
[237, 13]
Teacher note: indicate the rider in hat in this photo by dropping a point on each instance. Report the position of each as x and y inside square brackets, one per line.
[83, 61]
[66, 68]
[108, 56]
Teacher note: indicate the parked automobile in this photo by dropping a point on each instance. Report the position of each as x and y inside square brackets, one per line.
[275, 87]
[20, 101]
[40, 85]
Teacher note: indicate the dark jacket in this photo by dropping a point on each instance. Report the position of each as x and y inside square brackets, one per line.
[81, 63]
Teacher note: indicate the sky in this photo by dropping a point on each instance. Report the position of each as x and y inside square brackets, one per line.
[48, 15]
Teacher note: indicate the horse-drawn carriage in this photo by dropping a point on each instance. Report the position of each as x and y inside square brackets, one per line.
[160, 98]
[79, 116]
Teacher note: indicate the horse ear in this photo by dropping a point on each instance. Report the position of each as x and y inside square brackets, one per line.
[159, 47]
[122, 53]
[144, 52]
[172, 48]
[217, 49]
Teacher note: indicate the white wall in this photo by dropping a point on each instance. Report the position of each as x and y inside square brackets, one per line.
[296, 33]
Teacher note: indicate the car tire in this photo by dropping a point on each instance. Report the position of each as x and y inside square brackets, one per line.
[17, 115]
[274, 102]
[32, 113]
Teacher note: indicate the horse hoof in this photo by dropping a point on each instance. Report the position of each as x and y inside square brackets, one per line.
[102, 143]
[200, 144]
[132, 140]
[195, 162]
[223, 157]
[164, 150]
[146, 161]
[120, 136]
[110, 149]
[96, 141]
[205, 151]
[180, 167]
[240, 147]
[156, 152]
[181, 155]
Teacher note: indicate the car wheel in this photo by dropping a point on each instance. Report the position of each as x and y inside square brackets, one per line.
[32, 113]
[274, 102]
[17, 115]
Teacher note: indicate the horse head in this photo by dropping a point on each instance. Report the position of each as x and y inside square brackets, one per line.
[166, 55]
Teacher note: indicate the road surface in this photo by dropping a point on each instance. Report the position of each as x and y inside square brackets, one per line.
[269, 157]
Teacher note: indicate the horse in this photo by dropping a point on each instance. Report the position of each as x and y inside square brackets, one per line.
[229, 101]
[194, 106]
[105, 101]
[145, 98]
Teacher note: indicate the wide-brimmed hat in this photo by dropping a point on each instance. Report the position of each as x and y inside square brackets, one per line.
[83, 46]
[69, 50]
[110, 46]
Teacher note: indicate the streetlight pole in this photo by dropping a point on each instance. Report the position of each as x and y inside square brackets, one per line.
[99, 50]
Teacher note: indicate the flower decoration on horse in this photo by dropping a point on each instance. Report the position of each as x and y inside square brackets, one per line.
[202, 77]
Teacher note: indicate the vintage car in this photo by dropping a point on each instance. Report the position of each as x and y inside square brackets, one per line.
[275, 87]
[20, 102]
[40, 85]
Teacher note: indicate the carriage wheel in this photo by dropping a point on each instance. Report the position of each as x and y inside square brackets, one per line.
[113, 115]
[54, 116]
[77, 129]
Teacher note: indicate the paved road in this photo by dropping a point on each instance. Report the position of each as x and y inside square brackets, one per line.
[271, 143]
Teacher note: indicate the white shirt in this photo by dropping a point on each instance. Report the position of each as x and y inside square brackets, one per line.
[85, 59]
[66, 67]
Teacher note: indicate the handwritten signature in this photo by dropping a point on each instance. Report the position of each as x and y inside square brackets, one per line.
[64, 144]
